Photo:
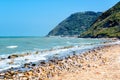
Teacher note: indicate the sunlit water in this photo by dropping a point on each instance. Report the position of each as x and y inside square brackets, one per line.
[47, 47]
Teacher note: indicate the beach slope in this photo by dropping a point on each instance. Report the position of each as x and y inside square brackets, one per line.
[101, 63]
[104, 67]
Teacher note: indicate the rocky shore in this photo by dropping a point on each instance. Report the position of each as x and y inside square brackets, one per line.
[56, 69]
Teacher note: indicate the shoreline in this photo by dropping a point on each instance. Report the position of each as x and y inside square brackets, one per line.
[55, 67]
[18, 61]
[103, 65]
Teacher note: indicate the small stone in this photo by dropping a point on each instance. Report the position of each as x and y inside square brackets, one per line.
[2, 59]
[88, 65]
[98, 73]
[42, 62]
[30, 73]
[26, 65]
[12, 62]
[8, 76]
[1, 76]
[24, 78]
[40, 79]
[26, 59]
[33, 64]
[80, 65]
[83, 68]
[12, 56]
[36, 52]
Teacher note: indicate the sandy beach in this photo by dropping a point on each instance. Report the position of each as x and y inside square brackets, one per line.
[102, 63]
[106, 67]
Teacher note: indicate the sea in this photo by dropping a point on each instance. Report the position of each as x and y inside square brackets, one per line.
[42, 48]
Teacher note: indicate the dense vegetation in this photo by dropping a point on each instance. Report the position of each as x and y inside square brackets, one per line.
[75, 24]
[107, 25]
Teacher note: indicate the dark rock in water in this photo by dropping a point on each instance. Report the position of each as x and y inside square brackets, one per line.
[2, 58]
[53, 60]
[13, 56]
[26, 59]
[42, 62]
[74, 52]
[26, 65]
[12, 62]
[33, 64]
[36, 52]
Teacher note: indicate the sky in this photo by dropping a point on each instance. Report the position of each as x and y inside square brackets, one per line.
[38, 17]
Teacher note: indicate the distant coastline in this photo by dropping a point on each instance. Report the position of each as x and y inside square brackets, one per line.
[19, 36]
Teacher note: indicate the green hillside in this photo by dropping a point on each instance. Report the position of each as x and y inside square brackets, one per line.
[75, 24]
[107, 25]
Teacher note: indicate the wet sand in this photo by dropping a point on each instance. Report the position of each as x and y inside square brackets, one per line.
[102, 63]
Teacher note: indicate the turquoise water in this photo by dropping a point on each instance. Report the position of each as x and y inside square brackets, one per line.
[22, 44]
[47, 47]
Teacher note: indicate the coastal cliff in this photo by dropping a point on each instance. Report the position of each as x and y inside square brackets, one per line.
[75, 24]
[107, 25]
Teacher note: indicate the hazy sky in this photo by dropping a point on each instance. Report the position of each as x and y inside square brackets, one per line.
[38, 17]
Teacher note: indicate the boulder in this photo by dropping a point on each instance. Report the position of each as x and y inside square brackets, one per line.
[13, 56]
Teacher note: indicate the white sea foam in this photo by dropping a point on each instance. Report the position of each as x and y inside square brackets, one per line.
[11, 47]
[47, 48]
[17, 62]
[61, 51]
[117, 42]
[112, 43]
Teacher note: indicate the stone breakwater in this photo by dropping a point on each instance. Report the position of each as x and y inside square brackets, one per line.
[55, 67]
